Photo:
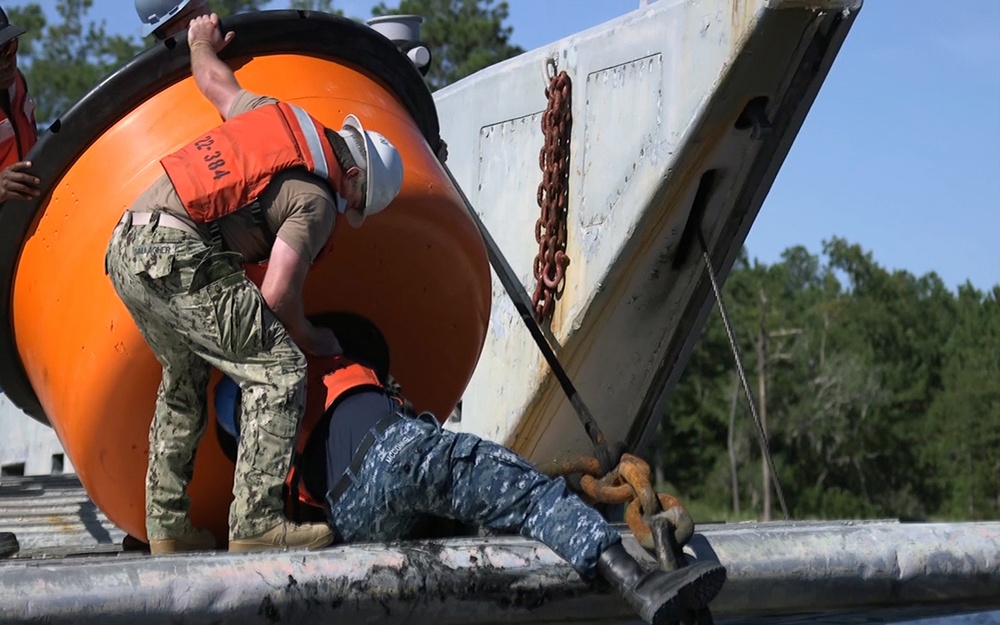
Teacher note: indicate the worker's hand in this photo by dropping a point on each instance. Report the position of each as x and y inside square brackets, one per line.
[442, 152]
[16, 183]
[322, 343]
[205, 28]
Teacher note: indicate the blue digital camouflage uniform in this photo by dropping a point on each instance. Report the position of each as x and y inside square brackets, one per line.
[416, 467]
[196, 309]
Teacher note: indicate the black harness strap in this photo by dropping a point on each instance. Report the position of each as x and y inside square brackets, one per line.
[258, 216]
[215, 232]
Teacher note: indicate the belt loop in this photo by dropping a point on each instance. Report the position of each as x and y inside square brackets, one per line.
[127, 221]
[154, 220]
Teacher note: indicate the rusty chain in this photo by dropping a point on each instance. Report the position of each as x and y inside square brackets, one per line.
[553, 197]
[659, 522]
[628, 483]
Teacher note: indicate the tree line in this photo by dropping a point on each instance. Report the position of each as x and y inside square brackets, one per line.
[879, 390]
[64, 56]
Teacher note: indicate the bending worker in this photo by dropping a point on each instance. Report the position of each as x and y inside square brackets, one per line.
[376, 470]
[175, 259]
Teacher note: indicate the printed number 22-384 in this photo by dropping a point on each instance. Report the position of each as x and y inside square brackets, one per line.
[214, 160]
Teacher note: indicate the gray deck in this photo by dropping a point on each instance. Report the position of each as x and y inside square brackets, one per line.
[71, 569]
[52, 517]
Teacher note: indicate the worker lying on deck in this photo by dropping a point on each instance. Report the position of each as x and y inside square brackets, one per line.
[266, 184]
[376, 469]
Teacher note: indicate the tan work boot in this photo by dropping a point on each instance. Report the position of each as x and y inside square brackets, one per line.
[286, 535]
[194, 539]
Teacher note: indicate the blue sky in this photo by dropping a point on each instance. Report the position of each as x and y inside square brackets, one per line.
[900, 153]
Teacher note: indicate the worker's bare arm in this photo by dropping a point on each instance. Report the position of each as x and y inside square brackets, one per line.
[282, 290]
[214, 78]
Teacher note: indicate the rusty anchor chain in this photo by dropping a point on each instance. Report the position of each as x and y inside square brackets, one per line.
[628, 483]
[659, 521]
[526, 309]
[553, 197]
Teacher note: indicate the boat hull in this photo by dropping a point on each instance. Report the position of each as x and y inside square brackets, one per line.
[664, 148]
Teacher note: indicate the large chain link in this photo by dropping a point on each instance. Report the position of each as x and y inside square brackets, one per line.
[628, 483]
[659, 522]
[553, 197]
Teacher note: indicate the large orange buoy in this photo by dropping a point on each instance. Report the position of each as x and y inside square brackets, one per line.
[71, 354]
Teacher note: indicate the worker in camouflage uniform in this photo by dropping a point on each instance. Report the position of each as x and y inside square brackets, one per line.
[376, 470]
[247, 191]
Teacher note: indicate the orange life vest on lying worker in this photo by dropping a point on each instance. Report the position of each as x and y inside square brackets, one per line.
[330, 380]
[17, 131]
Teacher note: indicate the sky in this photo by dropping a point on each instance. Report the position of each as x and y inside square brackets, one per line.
[900, 153]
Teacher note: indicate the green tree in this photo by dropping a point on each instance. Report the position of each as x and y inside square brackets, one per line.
[881, 392]
[64, 60]
[464, 36]
[963, 429]
[900, 324]
[31, 18]
[325, 6]
[225, 8]
[694, 449]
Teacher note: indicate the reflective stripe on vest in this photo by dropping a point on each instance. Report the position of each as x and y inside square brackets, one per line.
[228, 167]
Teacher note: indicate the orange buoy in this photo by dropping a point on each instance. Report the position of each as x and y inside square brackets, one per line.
[72, 356]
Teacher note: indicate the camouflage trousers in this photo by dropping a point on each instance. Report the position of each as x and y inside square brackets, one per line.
[196, 309]
[416, 467]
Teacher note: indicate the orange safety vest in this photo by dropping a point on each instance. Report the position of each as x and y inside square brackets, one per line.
[17, 131]
[329, 381]
[230, 166]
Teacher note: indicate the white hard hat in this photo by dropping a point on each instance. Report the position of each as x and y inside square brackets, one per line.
[382, 164]
[156, 13]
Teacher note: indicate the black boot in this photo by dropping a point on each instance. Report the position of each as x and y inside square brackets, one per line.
[659, 596]
[8, 544]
